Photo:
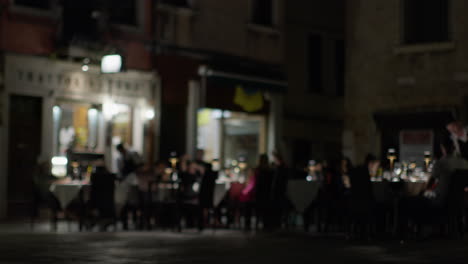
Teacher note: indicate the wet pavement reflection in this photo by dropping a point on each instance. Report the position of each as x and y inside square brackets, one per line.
[24, 246]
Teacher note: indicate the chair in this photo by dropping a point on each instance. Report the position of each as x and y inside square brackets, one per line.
[452, 214]
[101, 206]
[206, 198]
[161, 206]
[361, 204]
[455, 207]
[45, 200]
[234, 205]
[188, 207]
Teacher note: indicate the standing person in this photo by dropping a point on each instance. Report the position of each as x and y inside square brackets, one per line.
[459, 137]
[264, 180]
[278, 190]
[188, 200]
[207, 186]
[128, 164]
[426, 206]
[247, 198]
[206, 194]
[360, 179]
[42, 180]
[200, 159]
[362, 200]
[102, 195]
[442, 172]
[346, 168]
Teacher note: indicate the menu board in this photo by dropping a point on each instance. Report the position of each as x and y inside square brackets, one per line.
[414, 143]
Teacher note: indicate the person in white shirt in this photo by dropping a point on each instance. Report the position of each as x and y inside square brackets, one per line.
[128, 163]
[425, 206]
[459, 137]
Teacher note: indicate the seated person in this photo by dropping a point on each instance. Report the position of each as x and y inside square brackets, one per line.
[247, 197]
[188, 198]
[102, 193]
[43, 179]
[189, 177]
[360, 179]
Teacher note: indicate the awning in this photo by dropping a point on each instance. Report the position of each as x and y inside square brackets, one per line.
[248, 82]
[414, 119]
[253, 82]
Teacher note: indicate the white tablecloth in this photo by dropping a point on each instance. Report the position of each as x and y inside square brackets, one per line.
[67, 192]
[385, 191]
[164, 193]
[302, 193]
[219, 192]
[415, 188]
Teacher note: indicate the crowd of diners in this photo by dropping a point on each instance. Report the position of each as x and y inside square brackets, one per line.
[345, 200]
[261, 193]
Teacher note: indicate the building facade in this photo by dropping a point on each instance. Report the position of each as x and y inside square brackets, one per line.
[221, 68]
[55, 97]
[406, 74]
[198, 74]
[314, 103]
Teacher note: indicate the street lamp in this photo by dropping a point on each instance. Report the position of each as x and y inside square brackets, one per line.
[111, 63]
[242, 163]
[427, 159]
[173, 160]
[215, 165]
[391, 155]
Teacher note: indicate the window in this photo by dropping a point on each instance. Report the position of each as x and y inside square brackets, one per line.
[340, 67]
[241, 135]
[315, 59]
[178, 3]
[37, 4]
[262, 12]
[425, 21]
[122, 124]
[76, 126]
[78, 21]
[124, 12]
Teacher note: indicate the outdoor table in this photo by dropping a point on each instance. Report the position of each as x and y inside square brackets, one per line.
[390, 192]
[415, 188]
[385, 190]
[302, 193]
[66, 192]
[225, 186]
[163, 191]
[219, 193]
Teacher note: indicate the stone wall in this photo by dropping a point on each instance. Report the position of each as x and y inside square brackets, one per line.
[2, 138]
[225, 26]
[384, 75]
[2, 89]
[314, 119]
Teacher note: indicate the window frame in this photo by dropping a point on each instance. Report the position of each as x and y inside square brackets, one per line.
[275, 16]
[140, 19]
[28, 10]
[60, 102]
[309, 89]
[188, 6]
[402, 27]
[340, 91]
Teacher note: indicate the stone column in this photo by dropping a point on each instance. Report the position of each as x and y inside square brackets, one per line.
[194, 103]
[275, 124]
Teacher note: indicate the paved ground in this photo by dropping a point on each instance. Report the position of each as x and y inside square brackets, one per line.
[19, 245]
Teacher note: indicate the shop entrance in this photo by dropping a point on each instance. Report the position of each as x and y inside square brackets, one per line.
[231, 136]
[25, 130]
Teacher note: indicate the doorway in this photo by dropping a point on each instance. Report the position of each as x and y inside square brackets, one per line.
[231, 136]
[25, 130]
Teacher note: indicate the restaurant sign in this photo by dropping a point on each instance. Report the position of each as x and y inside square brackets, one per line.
[414, 143]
